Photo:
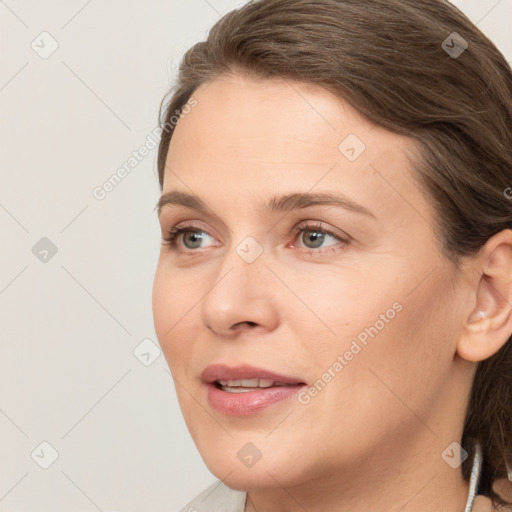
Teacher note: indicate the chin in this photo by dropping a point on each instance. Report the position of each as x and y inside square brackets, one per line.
[231, 462]
[246, 479]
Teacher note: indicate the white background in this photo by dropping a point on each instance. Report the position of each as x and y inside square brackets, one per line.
[68, 326]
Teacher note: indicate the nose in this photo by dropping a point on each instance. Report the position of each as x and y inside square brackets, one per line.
[241, 298]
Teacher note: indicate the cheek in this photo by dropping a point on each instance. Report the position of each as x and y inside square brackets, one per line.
[391, 364]
[407, 348]
[172, 305]
[172, 313]
[375, 325]
[340, 306]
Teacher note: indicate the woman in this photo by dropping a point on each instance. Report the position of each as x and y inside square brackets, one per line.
[334, 290]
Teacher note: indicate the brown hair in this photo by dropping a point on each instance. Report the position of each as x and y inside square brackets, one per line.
[392, 61]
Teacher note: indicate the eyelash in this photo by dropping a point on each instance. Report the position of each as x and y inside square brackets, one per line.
[171, 238]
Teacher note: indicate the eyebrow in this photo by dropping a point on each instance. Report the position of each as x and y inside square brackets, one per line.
[283, 203]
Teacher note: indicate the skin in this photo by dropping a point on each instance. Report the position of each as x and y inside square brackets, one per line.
[372, 439]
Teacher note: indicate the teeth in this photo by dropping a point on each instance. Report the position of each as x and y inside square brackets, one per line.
[244, 385]
[247, 383]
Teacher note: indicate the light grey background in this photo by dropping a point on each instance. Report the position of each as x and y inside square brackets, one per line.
[69, 325]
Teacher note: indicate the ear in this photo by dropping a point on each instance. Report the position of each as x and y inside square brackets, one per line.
[488, 324]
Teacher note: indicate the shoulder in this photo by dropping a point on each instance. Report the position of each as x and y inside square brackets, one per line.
[217, 498]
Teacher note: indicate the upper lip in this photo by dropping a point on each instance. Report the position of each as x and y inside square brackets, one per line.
[216, 372]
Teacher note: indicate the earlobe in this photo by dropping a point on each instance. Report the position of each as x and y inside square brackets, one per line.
[489, 324]
[477, 316]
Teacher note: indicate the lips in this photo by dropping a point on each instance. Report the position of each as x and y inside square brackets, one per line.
[244, 390]
[221, 372]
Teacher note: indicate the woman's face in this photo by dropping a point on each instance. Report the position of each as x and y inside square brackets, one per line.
[345, 295]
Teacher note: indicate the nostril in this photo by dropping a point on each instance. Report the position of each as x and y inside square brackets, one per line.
[250, 324]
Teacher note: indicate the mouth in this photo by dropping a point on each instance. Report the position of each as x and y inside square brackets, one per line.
[246, 385]
[244, 390]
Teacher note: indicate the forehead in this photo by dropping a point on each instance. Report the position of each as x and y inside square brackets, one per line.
[238, 114]
[248, 138]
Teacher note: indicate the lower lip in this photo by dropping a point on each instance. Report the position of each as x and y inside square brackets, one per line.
[248, 402]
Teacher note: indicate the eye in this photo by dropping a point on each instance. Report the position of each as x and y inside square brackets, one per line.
[192, 237]
[313, 236]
